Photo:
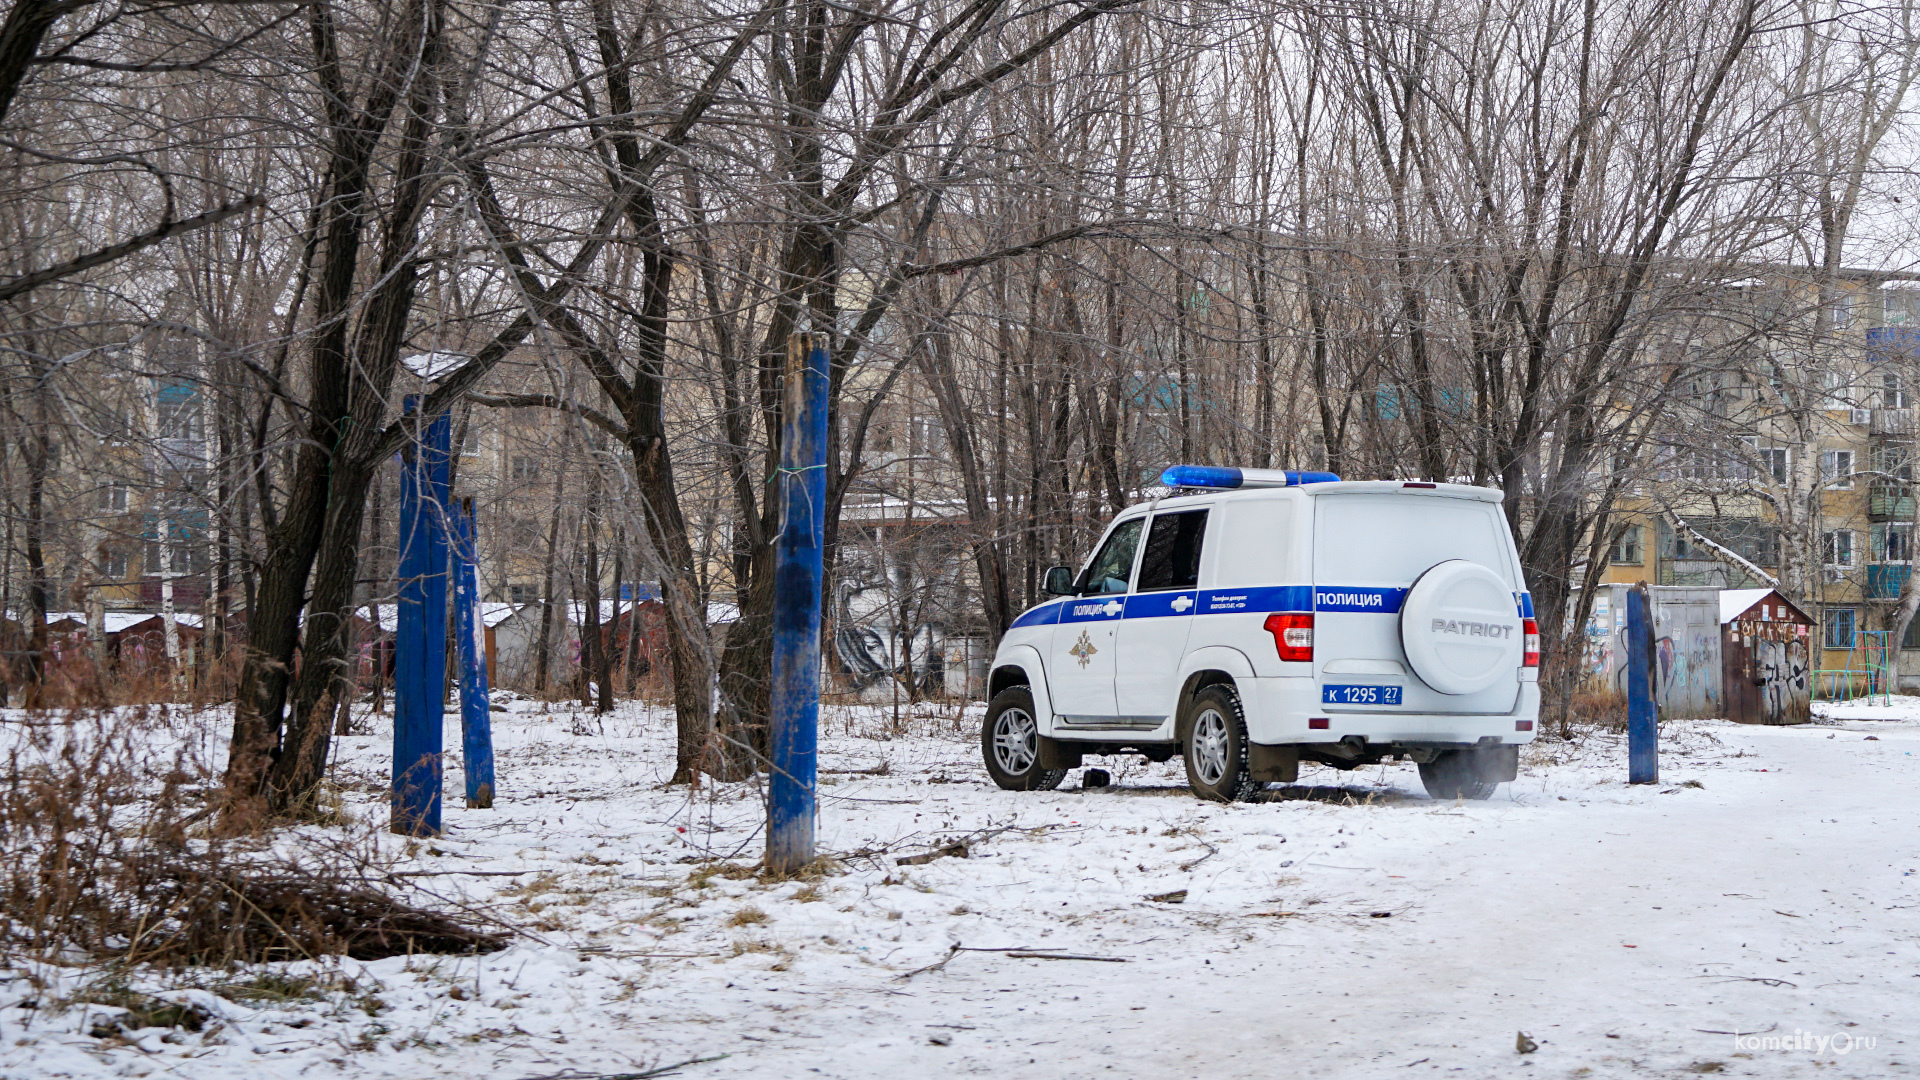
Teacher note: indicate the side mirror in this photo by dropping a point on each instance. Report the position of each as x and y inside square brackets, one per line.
[1059, 581]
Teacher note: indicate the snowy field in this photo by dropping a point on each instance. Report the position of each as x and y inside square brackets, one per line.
[1346, 927]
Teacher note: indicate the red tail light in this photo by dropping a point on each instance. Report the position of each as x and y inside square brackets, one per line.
[1532, 630]
[1292, 634]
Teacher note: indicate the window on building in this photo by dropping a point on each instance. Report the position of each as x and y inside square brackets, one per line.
[1842, 311]
[1836, 468]
[1912, 640]
[1894, 459]
[1626, 547]
[1893, 542]
[1770, 460]
[522, 594]
[1836, 393]
[113, 564]
[1901, 307]
[1892, 394]
[522, 468]
[1838, 548]
[116, 422]
[1172, 558]
[1679, 462]
[928, 435]
[113, 499]
[1386, 402]
[184, 557]
[523, 533]
[1774, 460]
[1839, 628]
[1755, 541]
[177, 413]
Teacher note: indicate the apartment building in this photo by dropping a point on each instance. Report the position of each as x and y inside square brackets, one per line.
[1726, 487]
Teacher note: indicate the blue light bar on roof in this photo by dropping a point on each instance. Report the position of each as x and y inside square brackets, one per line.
[1210, 476]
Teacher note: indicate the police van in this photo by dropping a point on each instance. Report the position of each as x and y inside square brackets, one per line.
[1257, 618]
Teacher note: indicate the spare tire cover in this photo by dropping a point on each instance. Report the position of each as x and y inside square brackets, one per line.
[1461, 628]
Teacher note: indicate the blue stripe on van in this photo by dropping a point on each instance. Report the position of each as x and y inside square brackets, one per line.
[1044, 615]
[1156, 605]
[1096, 608]
[1229, 601]
[1264, 598]
[1350, 598]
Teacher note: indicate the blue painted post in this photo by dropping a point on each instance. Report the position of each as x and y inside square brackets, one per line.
[796, 606]
[1643, 741]
[420, 646]
[476, 723]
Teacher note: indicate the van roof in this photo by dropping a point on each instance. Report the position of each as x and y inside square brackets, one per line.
[1407, 487]
[1339, 487]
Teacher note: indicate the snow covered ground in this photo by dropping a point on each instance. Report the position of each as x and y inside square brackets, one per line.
[1346, 927]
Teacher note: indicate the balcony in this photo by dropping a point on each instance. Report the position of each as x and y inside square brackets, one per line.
[1889, 502]
[1884, 580]
[1891, 422]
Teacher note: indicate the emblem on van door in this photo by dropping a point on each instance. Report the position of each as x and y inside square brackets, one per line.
[1083, 649]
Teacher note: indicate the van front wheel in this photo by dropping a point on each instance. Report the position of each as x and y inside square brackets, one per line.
[1010, 742]
[1213, 741]
[1457, 774]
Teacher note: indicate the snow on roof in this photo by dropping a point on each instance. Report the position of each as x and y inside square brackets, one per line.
[434, 365]
[114, 621]
[493, 613]
[577, 611]
[1735, 601]
[720, 613]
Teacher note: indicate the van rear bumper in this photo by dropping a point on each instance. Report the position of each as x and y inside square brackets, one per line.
[1278, 711]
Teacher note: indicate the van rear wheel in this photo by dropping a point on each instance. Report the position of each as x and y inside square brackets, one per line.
[1213, 740]
[1010, 742]
[1457, 774]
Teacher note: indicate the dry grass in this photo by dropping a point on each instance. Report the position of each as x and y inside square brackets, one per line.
[101, 852]
[1590, 711]
[747, 916]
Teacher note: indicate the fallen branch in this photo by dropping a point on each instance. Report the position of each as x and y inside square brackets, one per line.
[952, 951]
[1064, 956]
[1211, 852]
[662, 1070]
[956, 850]
[462, 873]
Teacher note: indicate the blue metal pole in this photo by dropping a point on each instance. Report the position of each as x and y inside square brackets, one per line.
[1643, 744]
[476, 724]
[420, 660]
[796, 606]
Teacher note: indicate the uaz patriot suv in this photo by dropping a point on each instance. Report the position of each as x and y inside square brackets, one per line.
[1259, 618]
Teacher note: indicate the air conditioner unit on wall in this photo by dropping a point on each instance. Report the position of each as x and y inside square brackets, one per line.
[1835, 575]
[1861, 416]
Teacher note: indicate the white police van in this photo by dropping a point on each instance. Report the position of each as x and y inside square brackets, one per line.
[1259, 618]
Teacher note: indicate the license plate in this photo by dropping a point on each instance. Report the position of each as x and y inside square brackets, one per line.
[1360, 695]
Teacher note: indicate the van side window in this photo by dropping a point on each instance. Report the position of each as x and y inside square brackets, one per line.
[1109, 571]
[1172, 559]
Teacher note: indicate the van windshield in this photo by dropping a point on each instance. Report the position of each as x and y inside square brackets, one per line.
[1384, 539]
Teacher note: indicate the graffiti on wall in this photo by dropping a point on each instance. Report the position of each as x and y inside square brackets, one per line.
[1686, 653]
[1782, 669]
